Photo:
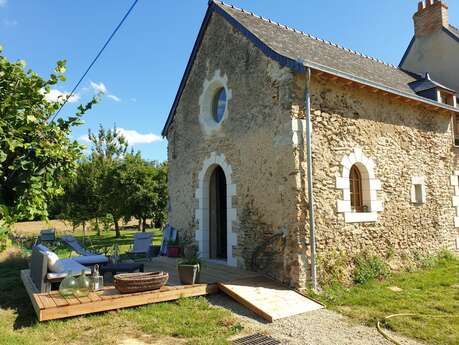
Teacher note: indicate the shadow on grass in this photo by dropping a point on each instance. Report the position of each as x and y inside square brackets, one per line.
[13, 294]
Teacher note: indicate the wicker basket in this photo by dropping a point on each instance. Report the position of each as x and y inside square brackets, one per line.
[137, 282]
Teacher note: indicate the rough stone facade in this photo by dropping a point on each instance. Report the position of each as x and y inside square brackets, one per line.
[404, 141]
[260, 143]
[255, 140]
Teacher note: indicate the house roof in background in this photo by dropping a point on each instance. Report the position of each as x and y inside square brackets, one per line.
[426, 83]
[454, 30]
[298, 50]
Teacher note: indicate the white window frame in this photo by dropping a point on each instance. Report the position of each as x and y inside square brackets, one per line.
[206, 99]
[418, 181]
[370, 187]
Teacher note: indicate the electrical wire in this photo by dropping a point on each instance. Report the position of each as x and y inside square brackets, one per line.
[96, 58]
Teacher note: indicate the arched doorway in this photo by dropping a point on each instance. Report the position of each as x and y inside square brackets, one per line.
[217, 215]
[224, 228]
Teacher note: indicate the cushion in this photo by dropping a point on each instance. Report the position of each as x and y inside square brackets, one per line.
[89, 260]
[69, 265]
[53, 262]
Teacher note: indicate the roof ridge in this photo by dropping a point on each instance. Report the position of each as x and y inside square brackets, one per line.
[306, 34]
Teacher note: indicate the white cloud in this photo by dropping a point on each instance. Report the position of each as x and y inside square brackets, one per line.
[99, 88]
[133, 137]
[3, 3]
[84, 138]
[115, 98]
[55, 95]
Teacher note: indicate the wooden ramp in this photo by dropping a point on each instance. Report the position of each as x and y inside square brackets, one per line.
[51, 305]
[268, 298]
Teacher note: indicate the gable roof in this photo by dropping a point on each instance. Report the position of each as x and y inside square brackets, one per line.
[297, 50]
[451, 31]
[454, 30]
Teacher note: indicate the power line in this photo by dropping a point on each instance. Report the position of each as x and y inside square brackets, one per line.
[95, 59]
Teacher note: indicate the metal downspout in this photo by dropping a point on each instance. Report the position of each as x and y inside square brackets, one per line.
[312, 235]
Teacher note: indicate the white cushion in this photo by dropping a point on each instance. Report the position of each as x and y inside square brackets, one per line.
[89, 260]
[69, 265]
[53, 262]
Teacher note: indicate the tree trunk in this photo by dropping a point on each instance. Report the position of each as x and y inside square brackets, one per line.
[84, 231]
[117, 229]
[144, 224]
[140, 224]
[97, 227]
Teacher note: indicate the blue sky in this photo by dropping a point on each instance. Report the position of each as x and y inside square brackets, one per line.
[142, 67]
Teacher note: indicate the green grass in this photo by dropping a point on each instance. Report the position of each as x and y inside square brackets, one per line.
[189, 321]
[431, 291]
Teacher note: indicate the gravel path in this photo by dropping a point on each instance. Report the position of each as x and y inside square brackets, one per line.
[321, 327]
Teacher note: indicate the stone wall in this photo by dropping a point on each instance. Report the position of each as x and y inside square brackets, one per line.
[403, 141]
[260, 146]
[255, 143]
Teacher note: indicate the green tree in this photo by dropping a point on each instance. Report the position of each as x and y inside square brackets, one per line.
[108, 150]
[146, 186]
[81, 202]
[36, 152]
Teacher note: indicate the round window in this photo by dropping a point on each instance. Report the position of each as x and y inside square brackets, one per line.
[219, 104]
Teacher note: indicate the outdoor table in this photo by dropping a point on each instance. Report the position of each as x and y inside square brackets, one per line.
[121, 267]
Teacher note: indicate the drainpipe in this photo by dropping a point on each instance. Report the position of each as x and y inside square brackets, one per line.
[312, 235]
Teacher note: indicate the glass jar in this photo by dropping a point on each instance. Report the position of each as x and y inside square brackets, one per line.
[97, 281]
[68, 285]
[83, 285]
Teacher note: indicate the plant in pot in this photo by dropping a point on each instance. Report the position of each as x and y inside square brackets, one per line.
[173, 249]
[189, 266]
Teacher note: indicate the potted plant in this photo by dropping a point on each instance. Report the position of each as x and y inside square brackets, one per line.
[189, 266]
[173, 249]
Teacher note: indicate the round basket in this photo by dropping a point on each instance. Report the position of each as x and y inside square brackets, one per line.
[137, 282]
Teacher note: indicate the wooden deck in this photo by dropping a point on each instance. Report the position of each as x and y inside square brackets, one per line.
[264, 296]
[211, 273]
[51, 306]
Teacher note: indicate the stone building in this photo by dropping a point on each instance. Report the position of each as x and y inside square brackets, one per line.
[435, 45]
[385, 176]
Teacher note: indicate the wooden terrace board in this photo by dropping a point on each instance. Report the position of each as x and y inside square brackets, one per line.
[51, 305]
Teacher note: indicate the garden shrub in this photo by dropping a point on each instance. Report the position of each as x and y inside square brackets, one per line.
[369, 267]
[333, 268]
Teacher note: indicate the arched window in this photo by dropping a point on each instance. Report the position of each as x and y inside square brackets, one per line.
[355, 179]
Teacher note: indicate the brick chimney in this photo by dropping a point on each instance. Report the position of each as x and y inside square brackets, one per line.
[432, 16]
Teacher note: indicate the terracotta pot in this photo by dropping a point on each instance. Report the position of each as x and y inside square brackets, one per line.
[173, 251]
[188, 274]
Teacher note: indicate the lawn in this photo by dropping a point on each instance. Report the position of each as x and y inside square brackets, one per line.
[186, 321]
[91, 240]
[432, 293]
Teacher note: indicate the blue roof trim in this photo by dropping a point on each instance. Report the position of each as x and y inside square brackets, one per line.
[269, 52]
[407, 52]
[451, 34]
